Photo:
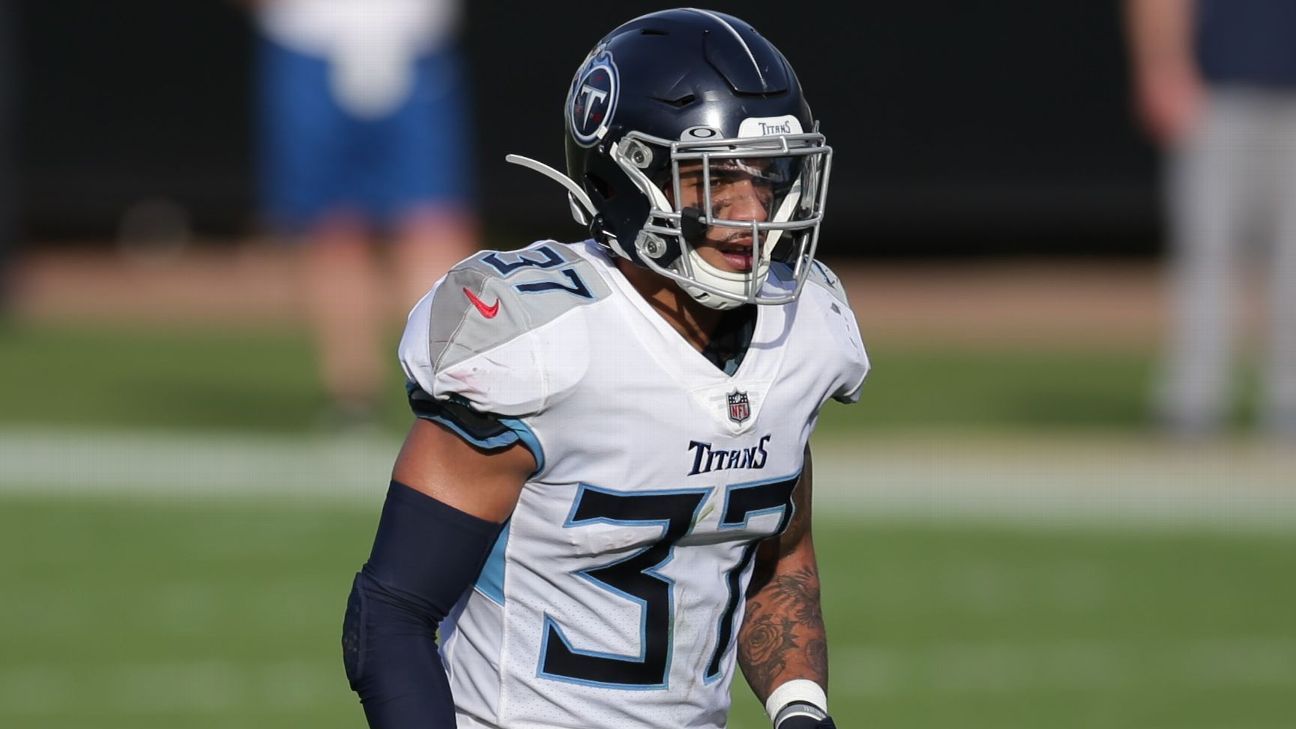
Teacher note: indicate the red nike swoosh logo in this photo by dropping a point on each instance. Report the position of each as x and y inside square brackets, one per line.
[487, 311]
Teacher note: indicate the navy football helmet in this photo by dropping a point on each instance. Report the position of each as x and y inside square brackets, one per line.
[662, 112]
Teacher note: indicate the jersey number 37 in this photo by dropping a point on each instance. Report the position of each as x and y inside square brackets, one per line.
[637, 578]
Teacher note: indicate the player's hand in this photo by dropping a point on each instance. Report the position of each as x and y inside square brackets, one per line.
[806, 722]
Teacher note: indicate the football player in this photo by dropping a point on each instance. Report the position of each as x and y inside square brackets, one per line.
[603, 505]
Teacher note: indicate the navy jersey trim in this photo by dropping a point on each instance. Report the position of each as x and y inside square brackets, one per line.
[486, 431]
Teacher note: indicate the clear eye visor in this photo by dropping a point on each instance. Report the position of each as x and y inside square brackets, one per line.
[756, 203]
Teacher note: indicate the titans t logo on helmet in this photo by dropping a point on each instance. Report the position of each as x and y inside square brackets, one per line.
[593, 98]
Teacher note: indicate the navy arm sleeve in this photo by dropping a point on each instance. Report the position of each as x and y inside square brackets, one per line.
[426, 554]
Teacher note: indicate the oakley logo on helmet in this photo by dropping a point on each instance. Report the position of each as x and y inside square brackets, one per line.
[593, 99]
[700, 133]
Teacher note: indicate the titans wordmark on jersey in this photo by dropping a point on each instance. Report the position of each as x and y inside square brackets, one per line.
[614, 595]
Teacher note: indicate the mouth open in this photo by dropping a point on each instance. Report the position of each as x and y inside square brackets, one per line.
[737, 254]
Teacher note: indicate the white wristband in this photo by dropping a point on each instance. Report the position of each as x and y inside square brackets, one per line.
[798, 690]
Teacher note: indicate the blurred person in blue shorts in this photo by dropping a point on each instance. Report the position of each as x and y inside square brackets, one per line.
[364, 136]
[1215, 87]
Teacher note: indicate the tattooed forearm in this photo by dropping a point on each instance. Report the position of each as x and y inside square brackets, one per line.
[797, 593]
[763, 644]
[782, 636]
[817, 658]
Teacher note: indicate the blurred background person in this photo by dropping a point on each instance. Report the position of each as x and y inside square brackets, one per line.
[363, 114]
[8, 183]
[1215, 87]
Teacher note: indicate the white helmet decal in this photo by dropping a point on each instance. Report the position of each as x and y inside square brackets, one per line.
[592, 100]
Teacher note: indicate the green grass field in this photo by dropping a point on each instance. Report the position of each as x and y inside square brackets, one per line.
[265, 381]
[212, 611]
[226, 614]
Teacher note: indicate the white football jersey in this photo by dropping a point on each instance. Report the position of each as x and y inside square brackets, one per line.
[614, 595]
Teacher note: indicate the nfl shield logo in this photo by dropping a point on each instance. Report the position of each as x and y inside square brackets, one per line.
[739, 407]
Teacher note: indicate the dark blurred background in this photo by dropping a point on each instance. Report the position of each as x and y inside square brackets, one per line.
[960, 128]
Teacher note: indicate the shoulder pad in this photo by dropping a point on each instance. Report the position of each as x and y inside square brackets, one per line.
[824, 276]
[475, 334]
[852, 360]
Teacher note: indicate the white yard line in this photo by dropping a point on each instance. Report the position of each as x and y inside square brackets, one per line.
[201, 687]
[1086, 481]
[194, 465]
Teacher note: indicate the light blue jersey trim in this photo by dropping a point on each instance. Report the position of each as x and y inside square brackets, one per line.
[528, 439]
[519, 432]
[492, 443]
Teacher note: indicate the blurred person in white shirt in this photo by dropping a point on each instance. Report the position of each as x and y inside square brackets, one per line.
[364, 137]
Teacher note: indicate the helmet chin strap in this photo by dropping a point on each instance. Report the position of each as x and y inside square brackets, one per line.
[720, 280]
[708, 300]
